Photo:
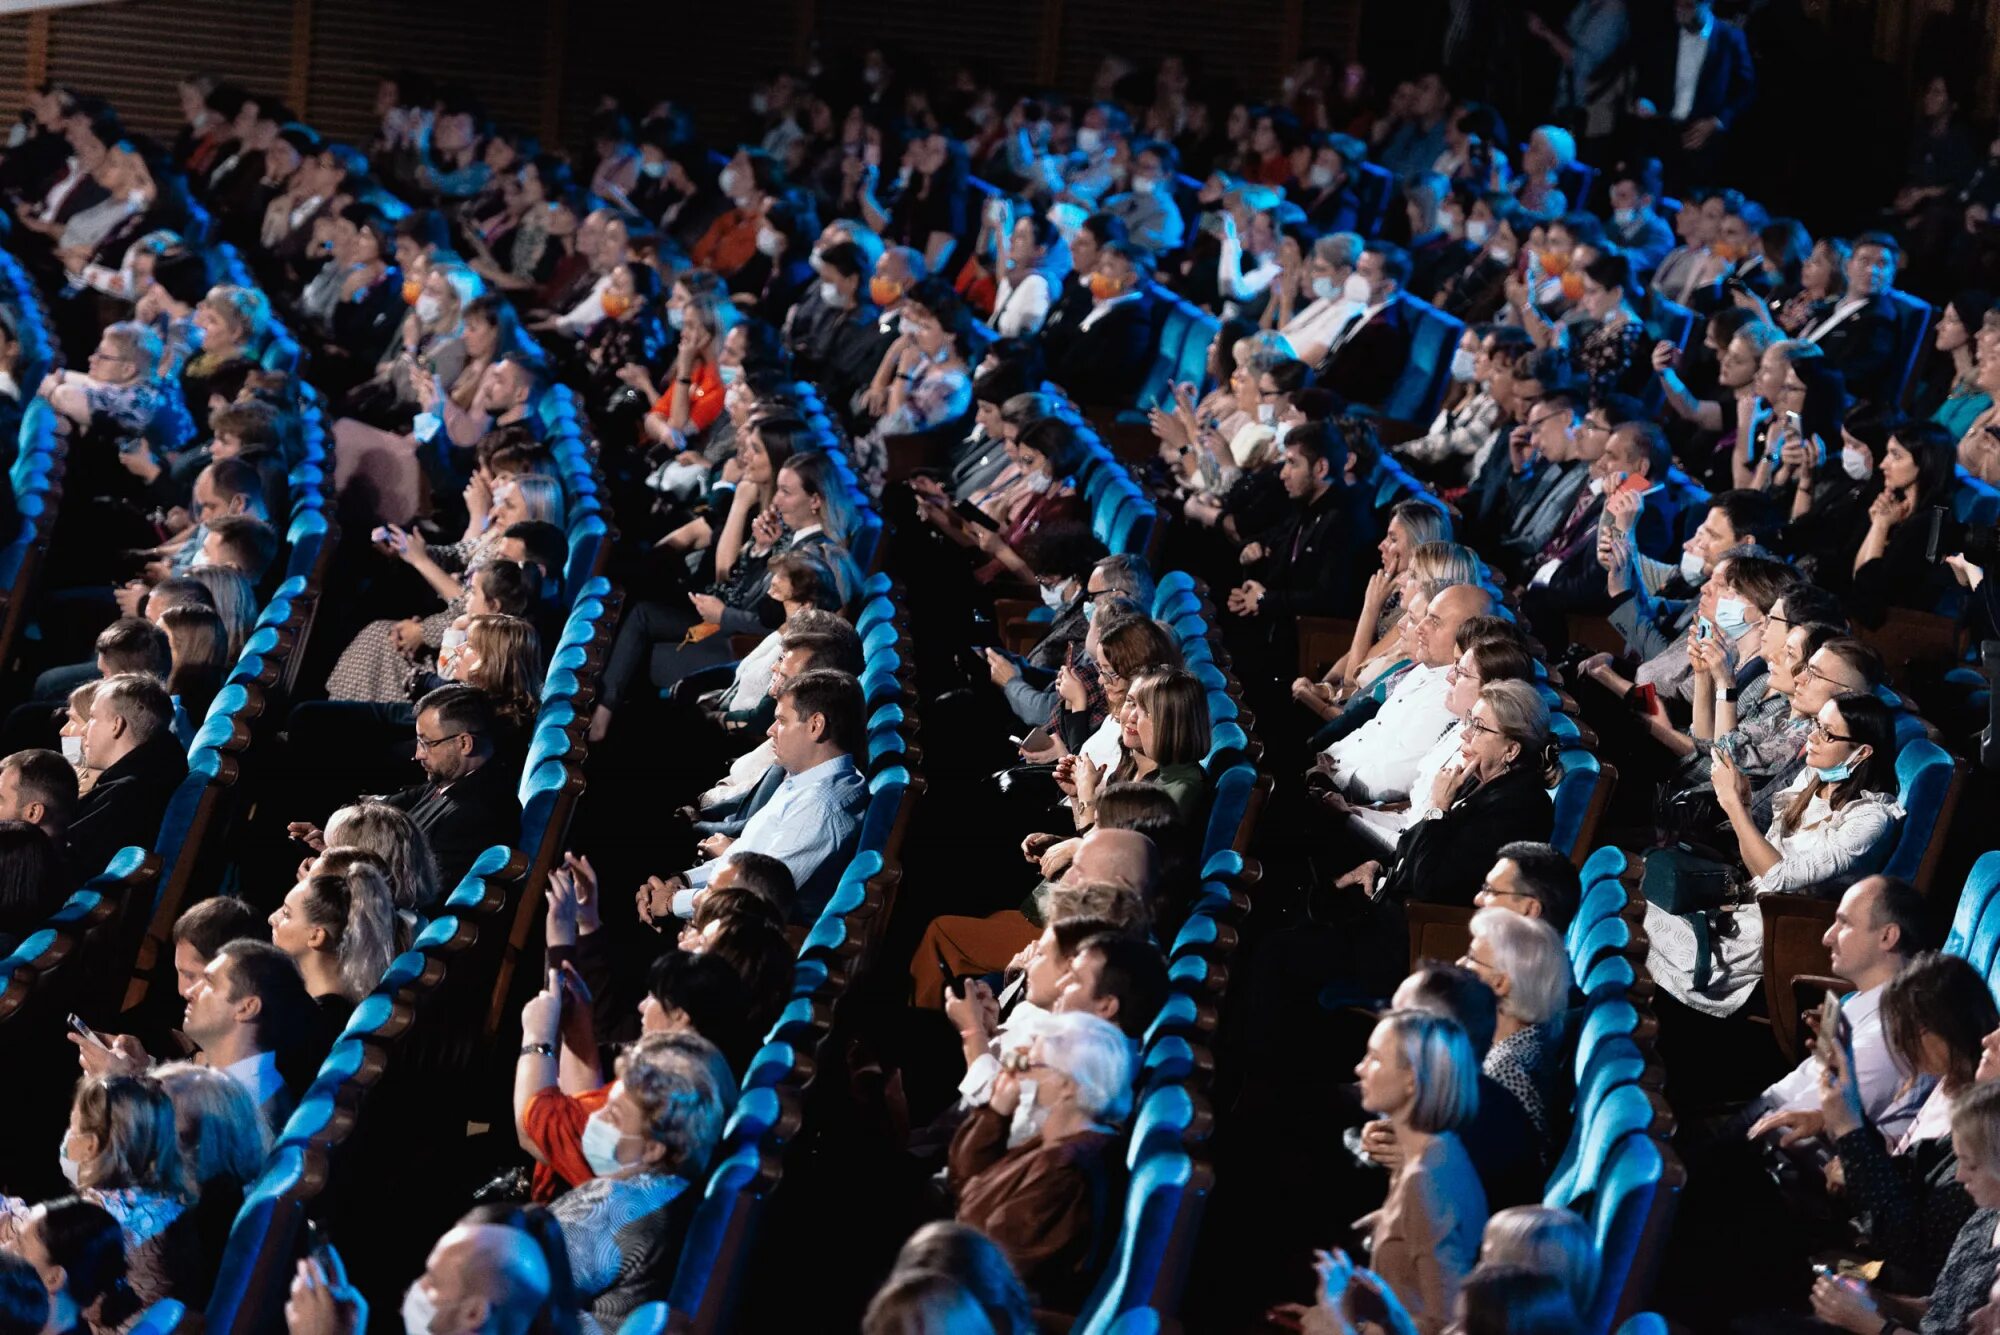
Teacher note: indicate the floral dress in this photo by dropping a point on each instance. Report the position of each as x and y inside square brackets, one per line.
[370, 668]
[144, 1217]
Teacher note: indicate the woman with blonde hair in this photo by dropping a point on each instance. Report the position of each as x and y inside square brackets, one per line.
[1416, 545]
[503, 658]
[223, 1144]
[390, 834]
[1166, 733]
[75, 718]
[1547, 1239]
[339, 926]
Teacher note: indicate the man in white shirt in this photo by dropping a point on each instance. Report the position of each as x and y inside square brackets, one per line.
[1378, 761]
[1877, 927]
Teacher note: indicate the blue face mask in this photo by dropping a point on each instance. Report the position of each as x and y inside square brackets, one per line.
[1089, 610]
[729, 374]
[1732, 616]
[676, 317]
[1835, 773]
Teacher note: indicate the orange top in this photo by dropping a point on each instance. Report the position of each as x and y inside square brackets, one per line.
[554, 1122]
[706, 402]
[728, 243]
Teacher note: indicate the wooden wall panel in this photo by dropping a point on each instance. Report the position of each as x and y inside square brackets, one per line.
[493, 48]
[1235, 45]
[132, 53]
[649, 52]
[13, 64]
[1001, 38]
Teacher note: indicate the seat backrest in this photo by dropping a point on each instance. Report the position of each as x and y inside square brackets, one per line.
[1149, 1266]
[1628, 1208]
[1624, 1110]
[1973, 900]
[1433, 338]
[646, 1319]
[1602, 1022]
[1925, 776]
[1604, 899]
[1572, 796]
[1913, 322]
[1374, 188]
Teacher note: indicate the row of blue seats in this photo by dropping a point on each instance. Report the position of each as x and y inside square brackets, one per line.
[717, 1254]
[41, 351]
[1169, 1180]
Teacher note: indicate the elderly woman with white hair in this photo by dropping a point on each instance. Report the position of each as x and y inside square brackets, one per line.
[1040, 1200]
[1525, 963]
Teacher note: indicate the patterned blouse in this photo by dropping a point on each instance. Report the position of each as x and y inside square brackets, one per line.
[623, 1244]
[1526, 1064]
[1826, 843]
[143, 1216]
[936, 394]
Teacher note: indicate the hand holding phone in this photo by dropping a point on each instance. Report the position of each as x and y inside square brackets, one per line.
[86, 1033]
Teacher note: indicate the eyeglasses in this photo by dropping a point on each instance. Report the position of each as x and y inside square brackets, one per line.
[1819, 732]
[1473, 725]
[1471, 961]
[1456, 674]
[1811, 673]
[428, 744]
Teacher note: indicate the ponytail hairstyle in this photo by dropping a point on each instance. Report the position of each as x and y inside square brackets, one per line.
[84, 1239]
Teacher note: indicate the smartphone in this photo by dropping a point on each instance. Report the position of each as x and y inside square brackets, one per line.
[1036, 740]
[88, 1034]
[953, 984]
[1646, 698]
[1934, 535]
[972, 514]
[1726, 744]
[1704, 629]
[1835, 1027]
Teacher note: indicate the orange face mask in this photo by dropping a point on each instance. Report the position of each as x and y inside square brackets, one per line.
[884, 291]
[1554, 262]
[1726, 250]
[412, 289]
[1573, 286]
[616, 304]
[1103, 286]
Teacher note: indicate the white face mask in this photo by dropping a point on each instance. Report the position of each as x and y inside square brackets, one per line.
[770, 240]
[829, 295]
[72, 751]
[760, 103]
[454, 640]
[418, 1310]
[1029, 1118]
[1356, 289]
[1267, 413]
[1856, 462]
[1053, 597]
[1624, 217]
[1145, 185]
[653, 171]
[1461, 366]
[1324, 289]
[1320, 177]
[600, 1145]
[1692, 568]
[1501, 254]
[1478, 231]
[728, 181]
[71, 1169]
[1090, 139]
[1597, 486]
[1039, 482]
[427, 308]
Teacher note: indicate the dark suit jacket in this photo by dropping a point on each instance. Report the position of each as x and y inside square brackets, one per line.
[464, 819]
[1728, 82]
[1578, 584]
[1312, 568]
[1863, 348]
[1444, 861]
[124, 806]
[1364, 369]
[1102, 366]
[1072, 303]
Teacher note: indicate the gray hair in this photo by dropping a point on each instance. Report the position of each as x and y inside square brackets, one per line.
[390, 834]
[1341, 249]
[1130, 576]
[222, 1132]
[683, 1089]
[1546, 1239]
[1519, 712]
[1094, 1054]
[1532, 956]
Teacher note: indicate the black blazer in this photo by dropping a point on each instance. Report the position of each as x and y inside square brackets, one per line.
[1102, 366]
[124, 806]
[1727, 84]
[1863, 348]
[1445, 860]
[466, 818]
[1365, 368]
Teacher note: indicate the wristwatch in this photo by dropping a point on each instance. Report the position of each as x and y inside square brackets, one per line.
[1725, 695]
[538, 1049]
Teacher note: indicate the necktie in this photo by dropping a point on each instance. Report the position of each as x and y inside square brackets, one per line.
[1347, 331]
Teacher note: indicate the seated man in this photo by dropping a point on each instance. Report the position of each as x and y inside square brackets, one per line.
[1117, 977]
[1378, 760]
[240, 543]
[1102, 364]
[129, 741]
[470, 802]
[1860, 335]
[811, 822]
[1364, 360]
[39, 787]
[1535, 880]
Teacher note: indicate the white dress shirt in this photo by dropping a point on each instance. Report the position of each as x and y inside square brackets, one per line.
[1321, 322]
[1103, 308]
[1874, 1067]
[1687, 66]
[1377, 762]
[73, 176]
[1020, 308]
[1385, 828]
[258, 1074]
[803, 825]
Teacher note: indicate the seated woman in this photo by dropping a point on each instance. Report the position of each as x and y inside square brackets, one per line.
[1047, 456]
[1037, 261]
[375, 664]
[627, 345]
[1965, 1275]
[1416, 549]
[379, 472]
[200, 648]
[1893, 567]
[83, 1242]
[339, 926]
[224, 1143]
[1197, 439]
[1979, 439]
[1953, 397]
[1524, 961]
[1767, 410]
[1041, 1200]
[769, 436]
[809, 511]
[924, 374]
[122, 1152]
[1503, 231]
[1497, 790]
[1165, 732]
[1708, 442]
[1834, 825]
[432, 338]
[1247, 496]
[800, 582]
[232, 324]
[1547, 1240]
[1609, 353]
[645, 1147]
[698, 310]
[1484, 658]
[1419, 1074]
[1822, 283]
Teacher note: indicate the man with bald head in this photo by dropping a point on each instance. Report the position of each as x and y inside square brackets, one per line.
[481, 1279]
[1378, 761]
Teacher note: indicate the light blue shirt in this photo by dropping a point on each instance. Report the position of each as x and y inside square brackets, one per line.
[812, 817]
